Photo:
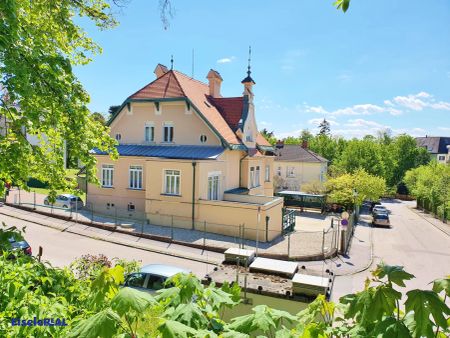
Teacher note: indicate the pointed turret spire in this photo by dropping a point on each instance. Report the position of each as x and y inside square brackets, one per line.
[171, 62]
[249, 79]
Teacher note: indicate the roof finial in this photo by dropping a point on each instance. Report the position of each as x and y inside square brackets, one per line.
[171, 62]
[249, 60]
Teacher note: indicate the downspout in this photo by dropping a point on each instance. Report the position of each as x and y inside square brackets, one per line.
[194, 164]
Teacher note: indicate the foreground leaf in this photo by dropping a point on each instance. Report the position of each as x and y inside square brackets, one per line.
[103, 324]
[425, 303]
[395, 274]
[131, 299]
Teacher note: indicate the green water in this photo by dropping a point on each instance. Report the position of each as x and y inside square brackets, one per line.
[290, 306]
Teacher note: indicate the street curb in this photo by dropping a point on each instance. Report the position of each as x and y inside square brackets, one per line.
[217, 249]
[368, 265]
[115, 241]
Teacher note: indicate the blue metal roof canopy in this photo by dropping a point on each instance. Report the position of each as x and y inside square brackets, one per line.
[187, 152]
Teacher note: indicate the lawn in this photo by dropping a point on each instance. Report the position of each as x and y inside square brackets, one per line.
[45, 191]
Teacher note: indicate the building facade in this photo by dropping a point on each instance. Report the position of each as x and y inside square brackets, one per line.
[296, 166]
[187, 156]
[438, 147]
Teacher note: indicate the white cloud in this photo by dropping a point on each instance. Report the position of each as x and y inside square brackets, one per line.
[226, 59]
[444, 128]
[412, 131]
[361, 123]
[358, 109]
[264, 124]
[420, 101]
[317, 121]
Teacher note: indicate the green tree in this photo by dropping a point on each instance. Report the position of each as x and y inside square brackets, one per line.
[407, 156]
[40, 43]
[291, 140]
[112, 110]
[324, 128]
[98, 117]
[352, 189]
[365, 154]
[269, 136]
[327, 146]
[431, 184]
[306, 135]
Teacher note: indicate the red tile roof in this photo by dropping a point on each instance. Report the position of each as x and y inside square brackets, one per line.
[223, 114]
[166, 86]
[230, 108]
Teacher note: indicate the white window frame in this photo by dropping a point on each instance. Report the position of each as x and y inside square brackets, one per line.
[290, 173]
[151, 133]
[441, 157]
[170, 134]
[214, 186]
[257, 176]
[135, 177]
[107, 175]
[252, 177]
[279, 171]
[267, 173]
[172, 182]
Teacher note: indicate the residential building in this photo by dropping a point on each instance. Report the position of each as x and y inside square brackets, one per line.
[296, 165]
[436, 146]
[187, 155]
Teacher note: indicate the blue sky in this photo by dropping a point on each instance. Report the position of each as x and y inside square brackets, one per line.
[383, 64]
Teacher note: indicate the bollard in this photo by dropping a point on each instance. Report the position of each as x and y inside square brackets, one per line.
[76, 210]
[204, 235]
[289, 245]
[323, 243]
[40, 253]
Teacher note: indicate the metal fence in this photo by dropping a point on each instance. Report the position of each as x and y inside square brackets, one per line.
[295, 244]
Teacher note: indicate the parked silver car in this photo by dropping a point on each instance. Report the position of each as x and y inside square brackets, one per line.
[152, 277]
[66, 201]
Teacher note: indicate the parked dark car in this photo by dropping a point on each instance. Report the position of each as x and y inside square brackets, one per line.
[381, 220]
[20, 245]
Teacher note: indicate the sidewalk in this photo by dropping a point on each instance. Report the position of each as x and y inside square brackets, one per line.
[358, 259]
[445, 228]
[310, 240]
[114, 237]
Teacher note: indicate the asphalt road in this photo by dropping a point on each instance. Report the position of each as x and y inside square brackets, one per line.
[412, 242]
[61, 248]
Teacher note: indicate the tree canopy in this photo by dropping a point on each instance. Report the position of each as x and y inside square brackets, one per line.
[39, 93]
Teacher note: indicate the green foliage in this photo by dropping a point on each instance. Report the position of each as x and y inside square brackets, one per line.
[269, 136]
[353, 189]
[430, 183]
[39, 45]
[100, 308]
[342, 5]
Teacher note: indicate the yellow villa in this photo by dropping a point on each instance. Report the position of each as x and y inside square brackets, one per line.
[189, 156]
[297, 166]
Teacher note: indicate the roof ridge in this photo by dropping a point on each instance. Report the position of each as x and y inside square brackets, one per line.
[189, 78]
[176, 79]
[148, 84]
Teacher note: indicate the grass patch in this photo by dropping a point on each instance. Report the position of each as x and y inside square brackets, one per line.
[44, 191]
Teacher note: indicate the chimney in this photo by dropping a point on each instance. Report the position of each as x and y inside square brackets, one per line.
[160, 70]
[280, 144]
[215, 81]
[305, 144]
